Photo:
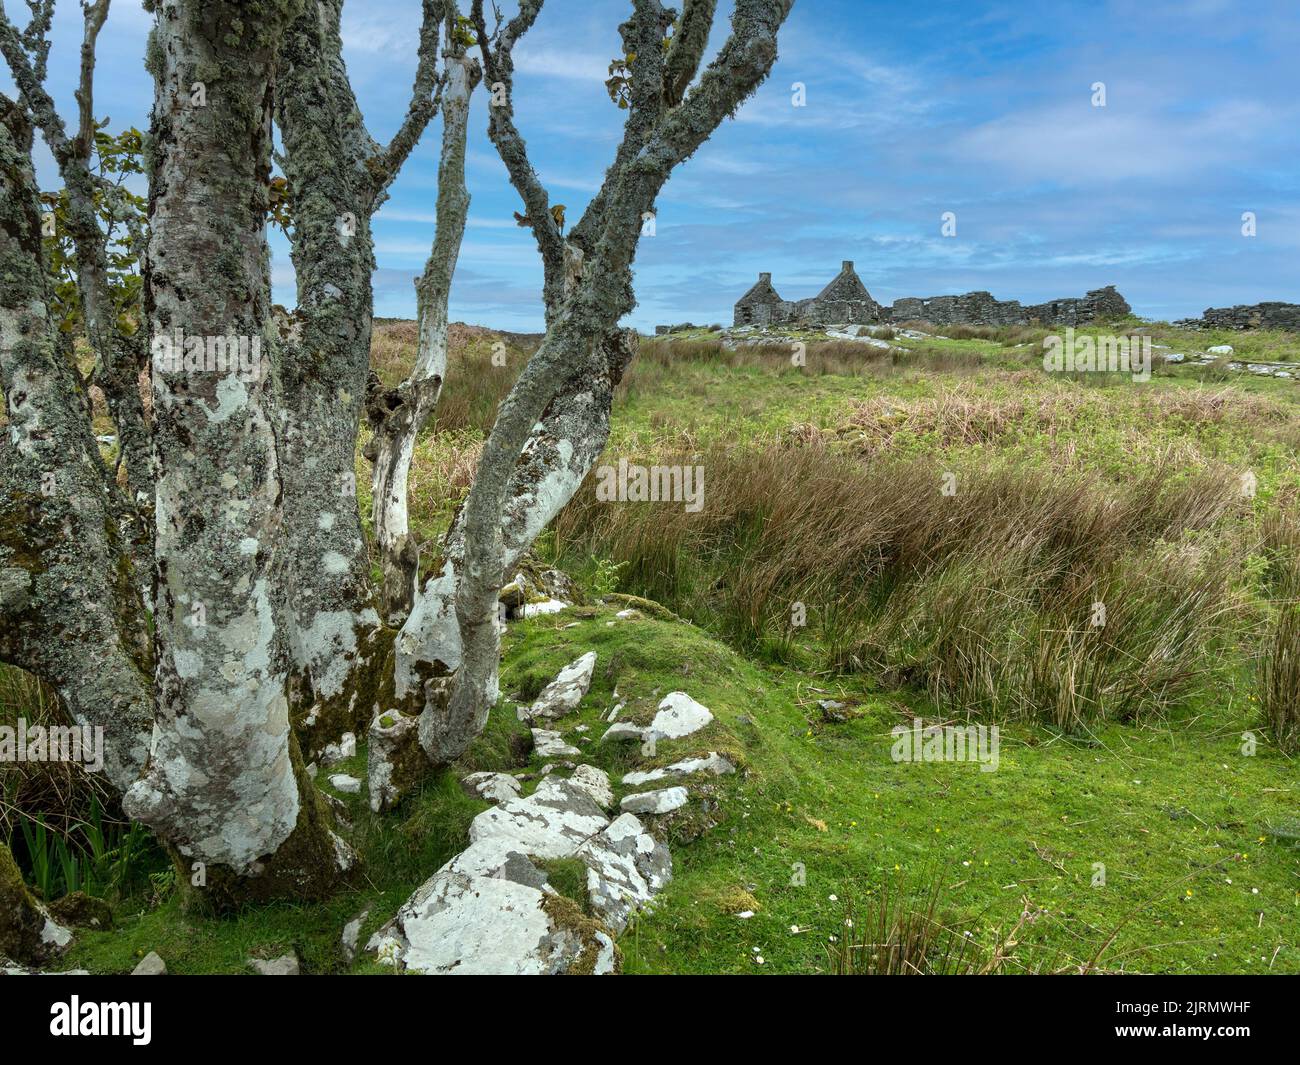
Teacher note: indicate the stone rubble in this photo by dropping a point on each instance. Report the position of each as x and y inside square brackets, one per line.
[491, 908]
[565, 692]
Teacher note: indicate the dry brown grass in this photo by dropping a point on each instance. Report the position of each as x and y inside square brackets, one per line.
[984, 598]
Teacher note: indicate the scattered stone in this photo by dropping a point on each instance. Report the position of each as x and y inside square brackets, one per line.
[347, 784]
[565, 692]
[546, 606]
[615, 712]
[679, 715]
[312, 770]
[494, 787]
[711, 763]
[663, 801]
[396, 762]
[1220, 349]
[595, 782]
[338, 752]
[352, 933]
[626, 868]
[550, 744]
[551, 823]
[629, 614]
[1175, 357]
[624, 732]
[150, 965]
[285, 965]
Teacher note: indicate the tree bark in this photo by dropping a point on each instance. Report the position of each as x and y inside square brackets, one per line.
[398, 415]
[338, 175]
[69, 609]
[224, 784]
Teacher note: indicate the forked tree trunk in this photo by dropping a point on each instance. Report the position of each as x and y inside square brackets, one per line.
[527, 471]
[398, 415]
[225, 783]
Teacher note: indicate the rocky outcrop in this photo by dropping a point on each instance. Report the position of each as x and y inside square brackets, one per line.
[491, 908]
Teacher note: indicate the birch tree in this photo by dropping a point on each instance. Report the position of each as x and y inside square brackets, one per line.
[555, 421]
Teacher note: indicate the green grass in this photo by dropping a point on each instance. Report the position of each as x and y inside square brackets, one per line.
[1198, 840]
[1167, 810]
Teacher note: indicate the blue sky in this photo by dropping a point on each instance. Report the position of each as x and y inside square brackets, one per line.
[979, 108]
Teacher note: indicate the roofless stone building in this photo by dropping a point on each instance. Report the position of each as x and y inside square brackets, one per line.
[846, 301]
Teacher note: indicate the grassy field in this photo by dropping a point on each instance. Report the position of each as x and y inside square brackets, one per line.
[1125, 828]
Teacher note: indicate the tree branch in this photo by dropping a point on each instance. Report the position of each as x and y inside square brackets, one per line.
[687, 49]
[95, 13]
[425, 93]
[498, 76]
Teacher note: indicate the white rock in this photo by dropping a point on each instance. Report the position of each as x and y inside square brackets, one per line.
[480, 925]
[485, 910]
[351, 933]
[595, 782]
[1220, 349]
[150, 965]
[550, 744]
[565, 692]
[662, 801]
[711, 763]
[679, 715]
[624, 732]
[547, 606]
[286, 965]
[626, 868]
[346, 784]
[494, 787]
[337, 752]
[552, 822]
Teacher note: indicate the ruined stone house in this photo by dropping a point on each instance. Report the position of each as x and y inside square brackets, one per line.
[846, 301]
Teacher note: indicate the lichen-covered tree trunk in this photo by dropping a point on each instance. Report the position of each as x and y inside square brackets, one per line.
[225, 784]
[324, 359]
[27, 932]
[69, 608]
[524, 473]
[119, 353]
[340, 650]
[399, 414]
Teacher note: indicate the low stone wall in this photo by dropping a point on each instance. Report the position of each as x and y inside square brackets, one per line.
[980, 308]
[1251, 316]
